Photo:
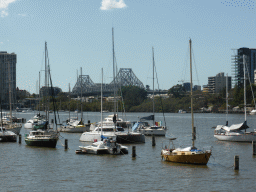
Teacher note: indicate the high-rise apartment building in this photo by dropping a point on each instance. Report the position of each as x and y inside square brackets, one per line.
[7, 77]
[237, 65]
[217, 83]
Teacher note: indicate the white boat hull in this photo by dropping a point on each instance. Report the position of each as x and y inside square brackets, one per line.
[156, 132]
[74, 129]
[95, 136]
[237, 138]
[28, 125]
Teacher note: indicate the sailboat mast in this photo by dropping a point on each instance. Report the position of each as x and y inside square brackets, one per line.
[114, 79]
[77, 95]
[45, 58]
[39, 95]
[101, 100]
[191, 91]
[69, 102]
[46, 83]
[153, 87]
[227, 100]
[10, 92]
[81, 97]
[244, 89]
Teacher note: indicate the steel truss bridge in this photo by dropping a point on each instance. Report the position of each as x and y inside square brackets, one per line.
[124, 77]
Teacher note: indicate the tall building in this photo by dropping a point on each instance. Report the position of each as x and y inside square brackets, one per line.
[237, 65]
[217, 83]
[7, 77]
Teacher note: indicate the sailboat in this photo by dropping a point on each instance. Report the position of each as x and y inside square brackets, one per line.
[104, 143]
[8, 123]
[41, 135]
[235, 132]
[74, 125]
[156, 129]
[6, 136]
[188, 155]
[103, 129]
[121, 136]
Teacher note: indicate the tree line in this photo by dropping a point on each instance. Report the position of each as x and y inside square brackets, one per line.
[135, 99]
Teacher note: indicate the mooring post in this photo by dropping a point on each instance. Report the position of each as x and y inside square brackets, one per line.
[66, 144]
[236, 162]
[19, 138]
[253, 148]
[133, 151]
[153, 140]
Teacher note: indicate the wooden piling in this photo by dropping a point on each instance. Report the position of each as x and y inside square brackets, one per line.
[254, 148]
[236, 166]
[153, 140]
[133, 151]
[66, 144]
[19, 138]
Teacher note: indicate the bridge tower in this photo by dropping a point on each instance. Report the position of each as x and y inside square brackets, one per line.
[85, 83]
[126, 77]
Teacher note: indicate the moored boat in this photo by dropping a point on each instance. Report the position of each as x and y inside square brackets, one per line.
[188, 155]
[7, 136]
[107, 146]
[236, 132]
[42, 138]
[75, 127]
[41, 135]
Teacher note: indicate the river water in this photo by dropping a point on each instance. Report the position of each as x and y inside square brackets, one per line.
[25, 168]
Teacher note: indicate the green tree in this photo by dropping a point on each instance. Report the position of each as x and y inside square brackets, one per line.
[177, 91]
[133, 96]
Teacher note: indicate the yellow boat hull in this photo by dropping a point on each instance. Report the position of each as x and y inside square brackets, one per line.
[187, 157]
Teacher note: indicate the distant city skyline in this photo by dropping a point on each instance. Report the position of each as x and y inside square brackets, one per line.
[79, 34]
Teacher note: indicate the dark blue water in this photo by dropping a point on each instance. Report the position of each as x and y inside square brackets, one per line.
[24, 168]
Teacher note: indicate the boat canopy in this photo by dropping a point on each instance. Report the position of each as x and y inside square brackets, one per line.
[219, 127]
[136, 126]
[150, 117]
[183, 149]
[234, 127]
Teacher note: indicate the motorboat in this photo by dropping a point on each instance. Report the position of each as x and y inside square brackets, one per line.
[146, 129]
[182, 111]
[7, 136]
[107, 146]
[31, 122]
[42, 138]
[253, 112]
[119, 121]
[107, 130]
[74, 127]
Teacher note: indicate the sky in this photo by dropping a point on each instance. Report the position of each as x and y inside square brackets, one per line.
[79, 34]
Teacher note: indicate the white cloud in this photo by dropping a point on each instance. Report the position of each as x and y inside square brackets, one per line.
[112, 4]
[4, 7]
[23, 14]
